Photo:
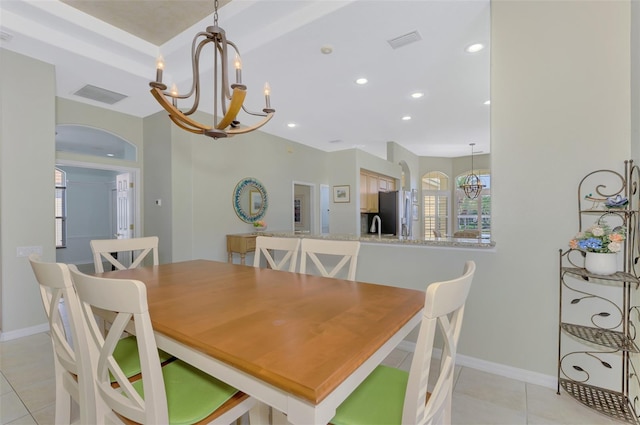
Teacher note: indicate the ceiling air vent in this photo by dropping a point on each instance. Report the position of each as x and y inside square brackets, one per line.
[403, 40]
[100, 95]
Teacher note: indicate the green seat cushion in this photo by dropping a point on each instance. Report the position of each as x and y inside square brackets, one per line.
[377, 401]
[192, 395]
[126, 354]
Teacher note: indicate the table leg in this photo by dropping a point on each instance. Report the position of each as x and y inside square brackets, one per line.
[242, 258]
[229, 257]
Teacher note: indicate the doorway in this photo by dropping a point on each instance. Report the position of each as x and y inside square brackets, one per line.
[304, 215]
[92, 208]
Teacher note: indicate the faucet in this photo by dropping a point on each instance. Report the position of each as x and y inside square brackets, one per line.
[373, 226]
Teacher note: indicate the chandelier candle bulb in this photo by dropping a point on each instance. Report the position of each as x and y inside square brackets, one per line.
[159, 68]
[174, 94]
[267, 95]
[238, 64]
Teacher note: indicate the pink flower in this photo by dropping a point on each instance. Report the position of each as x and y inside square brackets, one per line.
[573, 244]
[616, 237]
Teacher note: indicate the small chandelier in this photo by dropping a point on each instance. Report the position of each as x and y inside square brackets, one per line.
[472, 185]
[228, 99]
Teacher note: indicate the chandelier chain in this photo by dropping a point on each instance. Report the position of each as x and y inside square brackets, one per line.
[215, 13]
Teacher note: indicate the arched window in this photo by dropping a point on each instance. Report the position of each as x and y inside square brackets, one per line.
[61, 208]
[474, 214]
[435, 194]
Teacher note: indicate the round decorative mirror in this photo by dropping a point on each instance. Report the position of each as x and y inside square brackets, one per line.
[250, 200]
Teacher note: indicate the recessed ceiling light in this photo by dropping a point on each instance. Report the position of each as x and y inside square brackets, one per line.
[326, 49]
[474, 48]
[488, 102]
[362, 81]
[110, 154]
[406, 118]
[417, 95]
[292, 124]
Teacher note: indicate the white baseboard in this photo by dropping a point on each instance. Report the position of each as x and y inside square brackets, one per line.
[494, 368]
[8, 336]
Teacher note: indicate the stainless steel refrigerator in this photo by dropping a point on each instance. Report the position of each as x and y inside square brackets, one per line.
[394, 209]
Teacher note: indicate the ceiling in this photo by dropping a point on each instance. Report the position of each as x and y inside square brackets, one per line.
[113, 45]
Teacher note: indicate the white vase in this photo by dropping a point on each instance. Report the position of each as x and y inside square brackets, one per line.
[601, 263]
[259, 228]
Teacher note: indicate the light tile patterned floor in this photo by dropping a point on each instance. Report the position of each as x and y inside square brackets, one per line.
[27, 392]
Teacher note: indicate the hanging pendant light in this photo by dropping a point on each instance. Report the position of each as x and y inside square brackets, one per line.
[472, 185]
[228, 99]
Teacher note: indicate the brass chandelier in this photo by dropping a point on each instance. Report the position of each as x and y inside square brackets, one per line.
[472, 185]
[228, 99]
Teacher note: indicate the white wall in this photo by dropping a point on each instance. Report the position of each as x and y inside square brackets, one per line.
[27, 129]
[559, 109]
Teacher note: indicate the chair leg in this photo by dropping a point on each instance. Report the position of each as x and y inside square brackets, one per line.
[63, 407]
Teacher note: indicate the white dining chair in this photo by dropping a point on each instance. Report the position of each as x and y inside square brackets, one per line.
[344, 252]
[68, 336]
[175, 393]
[393, 396]
[71, 359]
[278, 252]
[139, 247]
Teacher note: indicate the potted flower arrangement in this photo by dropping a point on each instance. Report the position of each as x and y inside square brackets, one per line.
[260, 225]
[600, 244]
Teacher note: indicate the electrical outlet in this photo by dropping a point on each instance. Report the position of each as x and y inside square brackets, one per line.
[25, 251]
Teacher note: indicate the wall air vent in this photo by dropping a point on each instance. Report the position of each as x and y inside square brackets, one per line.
[403, 40]
[100, 95]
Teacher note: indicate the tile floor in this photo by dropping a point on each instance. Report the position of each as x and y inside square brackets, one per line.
[27, 392]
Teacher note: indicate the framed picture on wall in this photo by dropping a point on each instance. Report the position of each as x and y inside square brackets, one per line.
[297, 210]
[341, 193]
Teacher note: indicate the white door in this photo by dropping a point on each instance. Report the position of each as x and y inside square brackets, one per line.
[324, 208]
[124, 206]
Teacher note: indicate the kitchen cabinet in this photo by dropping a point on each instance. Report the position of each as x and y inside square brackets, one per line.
[370, 184]
[598, 355]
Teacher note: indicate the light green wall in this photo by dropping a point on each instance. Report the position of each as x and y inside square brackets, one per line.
[195, 177]
[27, 129]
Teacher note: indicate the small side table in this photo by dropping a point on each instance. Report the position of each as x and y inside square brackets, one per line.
[240, 243]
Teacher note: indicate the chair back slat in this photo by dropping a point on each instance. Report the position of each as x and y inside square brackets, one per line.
[443, 312]
[141, 247]
[268, 247]
[346, 251]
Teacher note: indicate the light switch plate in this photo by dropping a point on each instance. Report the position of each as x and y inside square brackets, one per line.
[25, 251]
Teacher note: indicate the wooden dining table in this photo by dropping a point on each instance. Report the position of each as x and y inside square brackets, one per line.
[298, 343]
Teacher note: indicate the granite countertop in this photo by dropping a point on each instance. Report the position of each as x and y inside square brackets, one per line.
[390, 240]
